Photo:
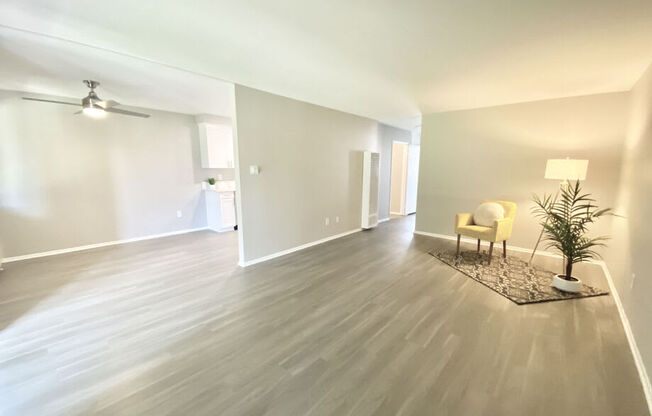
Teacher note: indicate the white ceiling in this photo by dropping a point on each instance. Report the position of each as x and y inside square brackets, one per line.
[48, 66]
[383, 59]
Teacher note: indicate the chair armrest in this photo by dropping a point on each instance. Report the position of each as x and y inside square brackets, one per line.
[463, 219]
[503, 229]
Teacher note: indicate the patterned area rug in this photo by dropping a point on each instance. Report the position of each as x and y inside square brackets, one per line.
[511, 277]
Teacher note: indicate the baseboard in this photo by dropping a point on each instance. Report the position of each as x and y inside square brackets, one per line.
[97, 245]
[395, 213]
[486, 244]
[638, 359]
[297, 248]
[636, 354]
[383, 220]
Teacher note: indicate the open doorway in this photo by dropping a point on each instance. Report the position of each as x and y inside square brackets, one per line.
[216, 144]
[398, 181]
[403, 179]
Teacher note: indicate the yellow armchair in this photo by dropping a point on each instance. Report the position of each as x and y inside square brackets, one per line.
[500, 231]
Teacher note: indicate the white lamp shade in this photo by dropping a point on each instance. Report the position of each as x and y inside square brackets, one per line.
[566, 169]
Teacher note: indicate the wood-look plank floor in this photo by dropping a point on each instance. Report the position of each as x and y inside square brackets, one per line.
[368, 324]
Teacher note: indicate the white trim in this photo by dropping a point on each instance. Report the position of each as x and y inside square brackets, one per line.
[97, 245]
[638, 359]
[297, 248]
[636, 354]
[238, 180]
[485, 243]
[396, 213]
[383, 220]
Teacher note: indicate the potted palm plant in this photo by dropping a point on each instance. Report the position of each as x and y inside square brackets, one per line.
[565, 221]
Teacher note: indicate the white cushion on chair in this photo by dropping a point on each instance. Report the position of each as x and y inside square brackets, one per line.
[485, 214]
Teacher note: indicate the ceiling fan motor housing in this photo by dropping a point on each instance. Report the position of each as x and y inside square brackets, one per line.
[91, 100]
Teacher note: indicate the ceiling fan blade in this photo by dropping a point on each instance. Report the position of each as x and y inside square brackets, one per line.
[108, 103]
[51, 101]
[125, 112]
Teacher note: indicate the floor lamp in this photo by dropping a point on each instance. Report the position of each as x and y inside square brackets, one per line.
[564, 170]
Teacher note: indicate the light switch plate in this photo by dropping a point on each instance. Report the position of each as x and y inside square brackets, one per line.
[254, 170]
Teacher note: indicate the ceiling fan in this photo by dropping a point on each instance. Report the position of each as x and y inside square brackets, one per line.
[92, 105]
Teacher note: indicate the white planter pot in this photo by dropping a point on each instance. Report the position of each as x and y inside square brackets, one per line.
[211, 186]
[572, 286]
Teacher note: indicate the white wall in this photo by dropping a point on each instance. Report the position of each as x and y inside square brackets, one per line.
[68, 180]
[500, 153]
[628, 258]
[310, 160]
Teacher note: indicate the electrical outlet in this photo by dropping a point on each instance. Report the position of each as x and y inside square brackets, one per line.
[337, 219]
[327, 221]
[179, 214]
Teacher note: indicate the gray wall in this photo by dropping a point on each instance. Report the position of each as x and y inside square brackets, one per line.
[628, 258]
[310, 160]
[68, 180]
[500, 153]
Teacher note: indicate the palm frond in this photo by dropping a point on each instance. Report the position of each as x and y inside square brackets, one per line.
[565, 221]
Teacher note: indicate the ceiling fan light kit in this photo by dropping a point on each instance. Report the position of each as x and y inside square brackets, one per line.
[93, 111]
[92, 105]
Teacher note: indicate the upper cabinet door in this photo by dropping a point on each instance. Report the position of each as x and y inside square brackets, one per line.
[216, 145]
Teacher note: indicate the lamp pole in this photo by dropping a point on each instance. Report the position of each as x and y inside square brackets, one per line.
[562, 184]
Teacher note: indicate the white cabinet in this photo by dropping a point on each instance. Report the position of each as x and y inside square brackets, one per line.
[216, 145]
[220, 210]
[227, 209]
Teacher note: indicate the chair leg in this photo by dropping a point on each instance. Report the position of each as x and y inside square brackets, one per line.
[504, 249]
[478, 245]
[459, 237]
[491, 250]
